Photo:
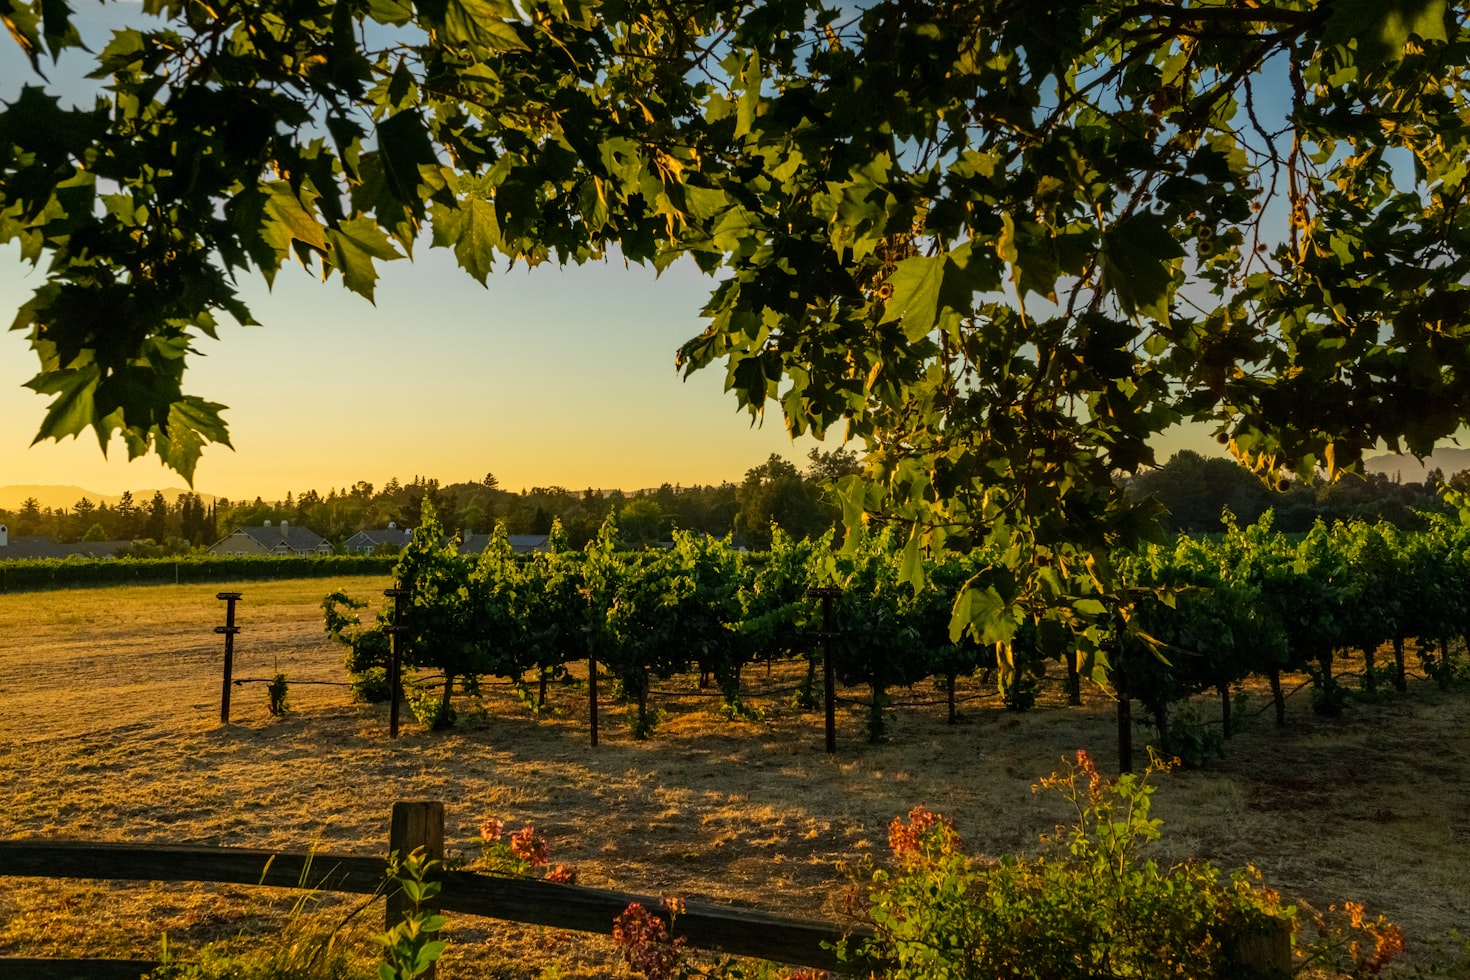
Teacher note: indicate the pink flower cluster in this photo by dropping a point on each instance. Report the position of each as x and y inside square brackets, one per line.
[907, 839]
[530, 848]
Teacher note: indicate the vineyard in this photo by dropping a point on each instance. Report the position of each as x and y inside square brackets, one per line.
[1199, 615]
[117, 739]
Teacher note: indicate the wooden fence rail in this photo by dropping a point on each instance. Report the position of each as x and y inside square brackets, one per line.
[738, 932]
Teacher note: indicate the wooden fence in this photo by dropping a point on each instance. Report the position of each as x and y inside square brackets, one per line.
[738, 932]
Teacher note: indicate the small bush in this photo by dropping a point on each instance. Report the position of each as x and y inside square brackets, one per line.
[1329, 697]
[431, 711]
[1193, 742]
[276, 691]
[1089, 905]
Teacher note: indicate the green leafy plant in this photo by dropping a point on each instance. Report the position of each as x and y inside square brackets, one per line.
[1329, 698]
[1192, 741]
[411, 947]
[276, 692]
[429, 708]
[1091, 904]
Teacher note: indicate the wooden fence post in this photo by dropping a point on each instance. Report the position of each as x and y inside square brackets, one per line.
[414, 825]
[229, 630]
[1262, 950]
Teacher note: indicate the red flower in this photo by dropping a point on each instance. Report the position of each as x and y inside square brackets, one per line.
[525, 845]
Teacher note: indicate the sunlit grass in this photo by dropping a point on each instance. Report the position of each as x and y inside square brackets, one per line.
[109, 702]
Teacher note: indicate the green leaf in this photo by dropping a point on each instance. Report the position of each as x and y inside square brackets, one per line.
[473, 231]
[393, 12]
[355, 243]
[916, 283]
[750, 98]
[984, 614]
[1382, 28]
[74, 407]
[911, 570]
[1138, 260]
[24, 26]
[285, 219]
[192, 422]
[483, 24]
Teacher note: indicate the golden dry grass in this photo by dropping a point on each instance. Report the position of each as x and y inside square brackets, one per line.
[109, 730]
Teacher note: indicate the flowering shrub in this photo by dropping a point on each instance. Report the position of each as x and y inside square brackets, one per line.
[650, 948]
[647, 945]
[518, 855]
[1089, 905]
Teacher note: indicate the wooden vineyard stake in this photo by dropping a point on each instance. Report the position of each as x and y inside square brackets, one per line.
[395, 662]
[1125, 731]
[229, 630]
[829, 669]
[592, 694]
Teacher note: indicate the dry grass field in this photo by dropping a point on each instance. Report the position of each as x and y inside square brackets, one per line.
[109, 730]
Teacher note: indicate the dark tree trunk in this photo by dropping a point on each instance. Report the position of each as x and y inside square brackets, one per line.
[1161, 722]
[954, 716]
[1278, 698]
[444, 702]
[1125, 733]
[1370, 662]
[1074, 683]
[592, 697]
[1224, 691]
[1400, 678]
[643, 705]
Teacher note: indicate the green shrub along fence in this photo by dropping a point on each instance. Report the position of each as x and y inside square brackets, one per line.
[32, 575]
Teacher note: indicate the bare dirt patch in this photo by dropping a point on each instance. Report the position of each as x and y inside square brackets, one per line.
[109, 730]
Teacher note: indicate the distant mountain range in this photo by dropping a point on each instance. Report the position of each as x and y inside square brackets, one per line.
[14, 497]
[1407, 469]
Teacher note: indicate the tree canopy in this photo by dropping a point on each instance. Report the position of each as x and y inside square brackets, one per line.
[1003, 243]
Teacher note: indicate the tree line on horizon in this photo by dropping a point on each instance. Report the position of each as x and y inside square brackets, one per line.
[776, 491]
[1194, 489]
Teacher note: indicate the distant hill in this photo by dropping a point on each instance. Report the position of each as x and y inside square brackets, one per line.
[13, 497]
[1407, 469]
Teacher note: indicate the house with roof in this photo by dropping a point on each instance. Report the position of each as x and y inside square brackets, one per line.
[267, 539]
[27, 546]
[473, 543]
[367, 541]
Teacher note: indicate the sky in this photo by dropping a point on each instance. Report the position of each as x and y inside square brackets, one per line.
[548, 377]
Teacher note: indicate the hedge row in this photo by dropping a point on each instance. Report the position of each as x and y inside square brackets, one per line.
[30, 575]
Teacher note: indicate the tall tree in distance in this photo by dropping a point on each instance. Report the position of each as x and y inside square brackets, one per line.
[155, 524]
[776, 493]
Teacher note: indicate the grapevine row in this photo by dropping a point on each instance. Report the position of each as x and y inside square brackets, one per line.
[1197, 615]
